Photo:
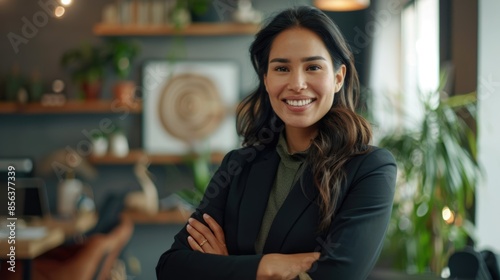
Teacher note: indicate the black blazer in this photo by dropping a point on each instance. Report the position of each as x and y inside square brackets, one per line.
[237, 198]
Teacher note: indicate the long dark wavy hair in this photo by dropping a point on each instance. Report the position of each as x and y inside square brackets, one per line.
[342, 133]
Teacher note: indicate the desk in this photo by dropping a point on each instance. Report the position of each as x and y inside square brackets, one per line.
[175, 216]
[57, 232]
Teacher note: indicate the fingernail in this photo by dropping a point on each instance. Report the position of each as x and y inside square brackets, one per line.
[190, 220]
[206, 216]
[188, 226]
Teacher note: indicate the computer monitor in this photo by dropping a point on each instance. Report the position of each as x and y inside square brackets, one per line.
[31, 200]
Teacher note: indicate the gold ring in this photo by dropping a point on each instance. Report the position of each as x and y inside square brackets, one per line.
[203, 243]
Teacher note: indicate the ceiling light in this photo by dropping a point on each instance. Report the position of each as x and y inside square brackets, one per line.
[341, 5]
[66, 2]
[59, 12]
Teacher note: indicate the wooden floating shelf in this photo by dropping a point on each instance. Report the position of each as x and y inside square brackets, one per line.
[136, 155]
[70, 107]
[194, 29]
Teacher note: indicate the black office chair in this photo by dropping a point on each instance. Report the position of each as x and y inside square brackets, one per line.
[468, 265]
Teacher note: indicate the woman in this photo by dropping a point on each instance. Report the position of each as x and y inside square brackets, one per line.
[307, 196]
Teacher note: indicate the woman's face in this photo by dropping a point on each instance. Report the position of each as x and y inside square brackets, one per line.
[300, 79]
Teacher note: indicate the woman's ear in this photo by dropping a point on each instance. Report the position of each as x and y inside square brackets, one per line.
[339, 77]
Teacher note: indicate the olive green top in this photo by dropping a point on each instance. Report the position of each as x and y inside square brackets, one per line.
[289, 171]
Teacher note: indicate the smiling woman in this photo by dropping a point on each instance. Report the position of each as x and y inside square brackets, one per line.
[306, 196]
[301, 82]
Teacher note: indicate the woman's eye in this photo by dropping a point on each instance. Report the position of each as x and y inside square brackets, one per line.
[314, 67]
[280, 69]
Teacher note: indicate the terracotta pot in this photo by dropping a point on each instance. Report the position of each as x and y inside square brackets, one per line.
[124, 91]
[92, 90]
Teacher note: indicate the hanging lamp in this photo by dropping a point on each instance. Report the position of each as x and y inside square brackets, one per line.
[341, 5]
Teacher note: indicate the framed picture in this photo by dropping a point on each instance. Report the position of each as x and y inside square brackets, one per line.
[189, 105]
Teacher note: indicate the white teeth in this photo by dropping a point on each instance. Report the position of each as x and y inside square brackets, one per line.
[298, 103]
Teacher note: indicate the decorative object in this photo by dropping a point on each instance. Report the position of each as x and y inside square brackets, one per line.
[190, 107]
[110, 14]
[56, 97]
[73, 194]
[36, 87]
[145, 200]
[122, 54]
[342, 5]
[438, 172]
[99, 145]
[69, 191]
[187, 104]
[203, 11]
[14, 83]
[118, 144]
[245, 13]
[86, 65]
[180, 16]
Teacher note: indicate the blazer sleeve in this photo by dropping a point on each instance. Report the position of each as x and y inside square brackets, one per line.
[353, 243]
[180, 262]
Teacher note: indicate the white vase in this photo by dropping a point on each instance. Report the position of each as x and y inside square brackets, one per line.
[119, 145]
[99, 146]
[69, 191]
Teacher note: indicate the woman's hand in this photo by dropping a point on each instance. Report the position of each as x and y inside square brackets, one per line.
[206, 240]
[285, 266]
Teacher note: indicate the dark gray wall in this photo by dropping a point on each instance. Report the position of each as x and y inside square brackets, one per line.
[40, 135]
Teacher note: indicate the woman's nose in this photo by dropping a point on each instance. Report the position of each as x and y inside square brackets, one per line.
[297, 81]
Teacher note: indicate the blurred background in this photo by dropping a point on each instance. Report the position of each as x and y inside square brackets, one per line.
[133, 101]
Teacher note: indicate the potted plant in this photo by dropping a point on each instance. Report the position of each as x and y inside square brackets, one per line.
[438, 171]
[200, 167]
[121, 56]
[86, 65]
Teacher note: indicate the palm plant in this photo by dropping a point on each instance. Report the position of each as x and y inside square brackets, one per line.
[438, 171]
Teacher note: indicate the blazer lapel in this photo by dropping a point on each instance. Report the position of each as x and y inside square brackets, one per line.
[294, 205]
[254, 201]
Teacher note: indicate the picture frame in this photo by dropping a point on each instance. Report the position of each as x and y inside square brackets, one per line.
[191, 85]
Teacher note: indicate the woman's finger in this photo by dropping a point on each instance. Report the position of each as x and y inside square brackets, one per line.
[200, 239]
[218, 232]
[194, 245]
[215, 227]
[206, 233]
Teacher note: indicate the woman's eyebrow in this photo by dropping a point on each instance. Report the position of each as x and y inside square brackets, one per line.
[312, 58]
[305, 59]
[280, 60]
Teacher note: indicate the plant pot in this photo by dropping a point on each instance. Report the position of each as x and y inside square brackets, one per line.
[119, 145]
[124, 91]
[92, 90]
[99, 146]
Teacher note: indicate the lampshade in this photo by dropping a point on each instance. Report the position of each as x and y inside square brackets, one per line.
[341, 5]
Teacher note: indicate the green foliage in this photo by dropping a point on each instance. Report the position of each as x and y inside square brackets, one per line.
[121, 56]
[437, 175]
[86, 63]
[200, 166]
[198, 7]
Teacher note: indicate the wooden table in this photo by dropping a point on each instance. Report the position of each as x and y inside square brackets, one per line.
[174, 216]
[57, 231]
